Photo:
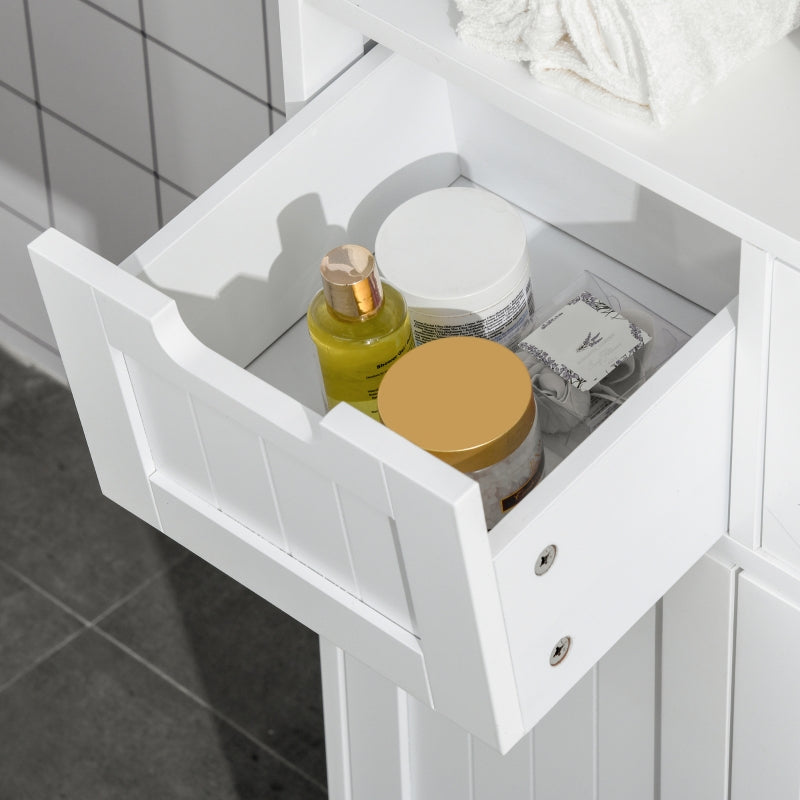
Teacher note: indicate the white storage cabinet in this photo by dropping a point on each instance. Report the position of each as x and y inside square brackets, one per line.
[198, 392]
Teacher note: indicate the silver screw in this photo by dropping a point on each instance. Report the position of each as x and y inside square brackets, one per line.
[559, 652]
[545, 559]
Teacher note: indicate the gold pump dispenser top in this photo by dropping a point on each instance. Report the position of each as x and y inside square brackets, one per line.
[350, 282]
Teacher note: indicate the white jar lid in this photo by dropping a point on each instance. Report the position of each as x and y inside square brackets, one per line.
[456, 247]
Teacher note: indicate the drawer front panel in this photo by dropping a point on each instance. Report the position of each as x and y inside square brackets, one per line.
[781, 521]
[170, 425]
[237, 464]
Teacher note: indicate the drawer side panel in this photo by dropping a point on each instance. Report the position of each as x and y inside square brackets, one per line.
[627, 523]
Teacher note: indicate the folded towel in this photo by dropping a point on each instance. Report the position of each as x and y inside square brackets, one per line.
[644, 58]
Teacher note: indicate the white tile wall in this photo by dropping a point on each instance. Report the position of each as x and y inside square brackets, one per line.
[172, 201]
[127, 10]
[23, 307]
[91, 72]
[203, 125]
[90, 64]
[228, 38]
[21, 167]
[99, 198]
[274, 61]
[15, 60]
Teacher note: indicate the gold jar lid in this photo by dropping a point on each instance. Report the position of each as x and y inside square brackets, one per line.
[466, 400]
[350, 282]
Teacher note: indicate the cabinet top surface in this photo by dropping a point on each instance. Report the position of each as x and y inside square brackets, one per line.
[733, 158]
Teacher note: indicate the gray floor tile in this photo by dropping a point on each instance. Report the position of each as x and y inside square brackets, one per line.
[92, 723]
[55, 527]
[30, 626]
[246, 658]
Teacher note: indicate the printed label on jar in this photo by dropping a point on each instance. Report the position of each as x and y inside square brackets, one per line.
[511, 500]
[505, 324]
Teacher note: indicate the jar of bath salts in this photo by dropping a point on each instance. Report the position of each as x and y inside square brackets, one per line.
[469, 401]
[459, 256]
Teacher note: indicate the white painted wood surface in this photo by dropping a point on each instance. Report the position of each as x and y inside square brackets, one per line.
[782, 447]
[97, 374]
[446, 555]
[291, 586]
[594, 203]
[334, 704]
[170, 425]
[696, 683]
[377, 735]
[566, 748]
[314, 49]
[612, 566]
[766, 721]
[626, 713]
[598, 742]
[239, 472]
[755, 200]
[440, 756]
[750, 404]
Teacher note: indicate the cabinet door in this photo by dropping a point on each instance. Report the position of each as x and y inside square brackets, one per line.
[781, 523]
[696, 679]
[766, 718]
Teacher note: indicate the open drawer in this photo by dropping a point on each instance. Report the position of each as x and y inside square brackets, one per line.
[368, 540]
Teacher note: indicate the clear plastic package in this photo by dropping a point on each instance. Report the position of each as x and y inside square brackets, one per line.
[591, 347]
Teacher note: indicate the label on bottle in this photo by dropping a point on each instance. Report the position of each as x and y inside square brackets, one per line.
[364, 393]
[504, 323]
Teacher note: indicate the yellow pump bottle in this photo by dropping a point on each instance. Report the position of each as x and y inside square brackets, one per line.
[359, 326]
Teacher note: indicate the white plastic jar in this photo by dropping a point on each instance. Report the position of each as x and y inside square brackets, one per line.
[469, 402]
[459, 256]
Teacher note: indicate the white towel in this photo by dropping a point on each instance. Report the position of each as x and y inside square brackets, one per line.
[644, 58]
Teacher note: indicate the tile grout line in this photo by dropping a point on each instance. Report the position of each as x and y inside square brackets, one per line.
[42, 658]
[266, 55]
[186, 58]
[32, 336]
[52, 598]
[97, 140]
[21, 216]
[92, 625]
[117, 604]
[130, 159]
[39, 116]
[151, 116]
[204, 704]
